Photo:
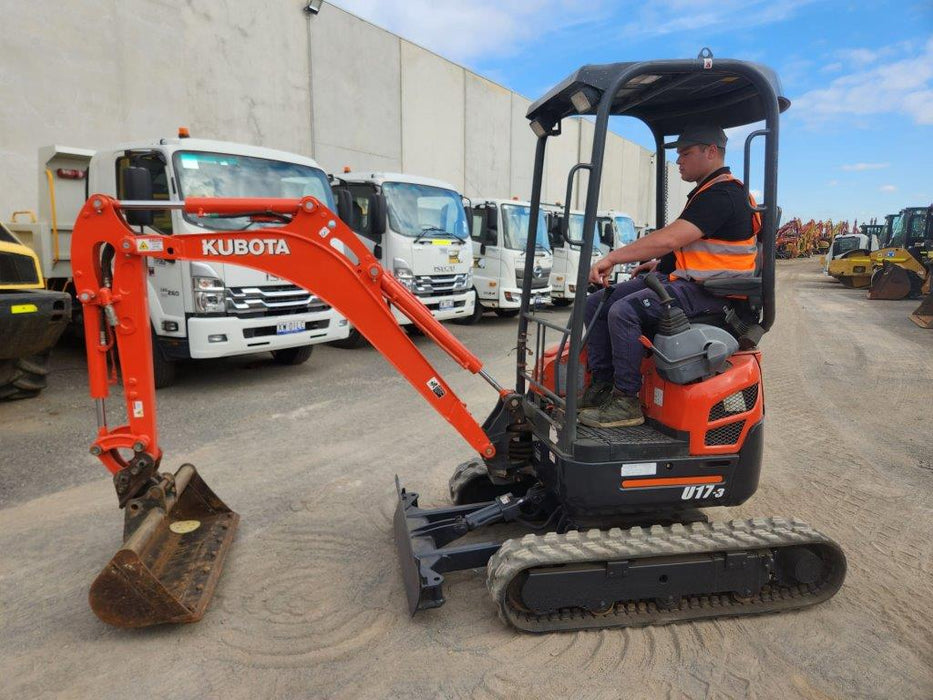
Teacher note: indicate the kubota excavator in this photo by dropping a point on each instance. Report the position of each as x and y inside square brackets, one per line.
[617, 534]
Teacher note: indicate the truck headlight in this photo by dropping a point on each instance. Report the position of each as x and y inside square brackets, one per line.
[210, 295]
[403, 274]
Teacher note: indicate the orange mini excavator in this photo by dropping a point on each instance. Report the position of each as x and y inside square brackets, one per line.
[617, 535]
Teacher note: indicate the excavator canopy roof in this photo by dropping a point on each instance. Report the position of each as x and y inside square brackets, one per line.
[663, 94]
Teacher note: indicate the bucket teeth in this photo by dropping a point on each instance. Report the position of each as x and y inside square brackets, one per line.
[176, 540]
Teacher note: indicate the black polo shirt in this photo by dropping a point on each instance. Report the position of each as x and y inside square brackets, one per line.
[722, 211]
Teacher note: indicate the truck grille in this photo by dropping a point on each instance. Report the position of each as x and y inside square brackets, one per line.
[439, 285]
[539, 277]
[278, 300]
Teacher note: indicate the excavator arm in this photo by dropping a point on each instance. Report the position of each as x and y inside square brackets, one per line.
[315, 250]
[177, 531]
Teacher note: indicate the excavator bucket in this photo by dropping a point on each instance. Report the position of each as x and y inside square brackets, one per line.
[923, 314]
[889, 282]
[175, 540]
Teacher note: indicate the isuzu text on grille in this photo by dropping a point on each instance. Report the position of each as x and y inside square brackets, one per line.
[254, 246]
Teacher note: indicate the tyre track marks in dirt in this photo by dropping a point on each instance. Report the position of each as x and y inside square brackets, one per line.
[319, 593]
[835, 434]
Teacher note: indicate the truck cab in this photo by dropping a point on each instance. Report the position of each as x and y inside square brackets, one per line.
[616, 229]
[566, 240]
[200, 310]
[500, 231]
[417, 228]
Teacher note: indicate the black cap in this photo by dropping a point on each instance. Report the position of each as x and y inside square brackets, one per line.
[703, 134]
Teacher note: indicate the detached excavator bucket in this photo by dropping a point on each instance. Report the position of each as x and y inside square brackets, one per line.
[889, 282]
[923, 314]
[175, 540]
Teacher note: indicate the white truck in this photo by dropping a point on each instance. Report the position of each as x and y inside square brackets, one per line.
[500, 233]
[616, 229]
[417, 228]
[565, 244]
[197, 310]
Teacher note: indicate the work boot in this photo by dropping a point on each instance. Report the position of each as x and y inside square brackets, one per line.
[617, 411]
[596, 394]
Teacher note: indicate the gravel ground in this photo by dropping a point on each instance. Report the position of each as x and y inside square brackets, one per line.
[311, 603]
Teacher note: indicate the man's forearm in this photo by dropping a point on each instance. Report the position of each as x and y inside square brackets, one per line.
[642, 249]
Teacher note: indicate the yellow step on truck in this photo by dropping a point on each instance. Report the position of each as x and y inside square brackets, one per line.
[31, 320]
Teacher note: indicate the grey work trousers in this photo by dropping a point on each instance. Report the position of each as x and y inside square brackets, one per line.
[614, 352]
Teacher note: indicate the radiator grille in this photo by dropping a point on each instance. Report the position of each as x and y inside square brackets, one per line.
[724, 434]
[278, 300]
[739, 402]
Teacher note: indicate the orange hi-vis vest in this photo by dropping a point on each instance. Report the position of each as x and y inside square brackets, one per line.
[715, 258]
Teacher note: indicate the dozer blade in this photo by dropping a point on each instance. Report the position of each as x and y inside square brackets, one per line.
[889, 282]
[923, 314]
[175, 540]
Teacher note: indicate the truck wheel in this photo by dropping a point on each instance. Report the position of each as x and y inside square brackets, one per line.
[352, 341]
[292, 356]
[24, 377]
[507, 313]
[475, 316]
[163, 369]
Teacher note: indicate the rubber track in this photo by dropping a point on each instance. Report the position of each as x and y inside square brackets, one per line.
[577, 547]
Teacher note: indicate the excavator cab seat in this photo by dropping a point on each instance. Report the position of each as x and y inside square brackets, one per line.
[741, 308]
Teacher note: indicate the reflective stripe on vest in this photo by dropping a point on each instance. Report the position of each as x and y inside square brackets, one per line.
[715, 258]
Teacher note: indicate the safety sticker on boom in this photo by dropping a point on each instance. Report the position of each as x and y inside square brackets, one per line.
[149, 245]
[435, 386]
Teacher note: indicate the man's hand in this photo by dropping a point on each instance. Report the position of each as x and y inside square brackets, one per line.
[599, 273]
[645, 267]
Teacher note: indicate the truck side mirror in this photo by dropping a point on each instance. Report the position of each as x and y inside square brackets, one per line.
[136, 185]
[554, 233]
[377, 214]
[344, 205]
[468, 210]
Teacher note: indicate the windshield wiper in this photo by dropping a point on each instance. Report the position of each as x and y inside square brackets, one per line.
[433, 229]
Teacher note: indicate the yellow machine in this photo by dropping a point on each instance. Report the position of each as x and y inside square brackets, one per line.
[898, 268]
[848, 259]
[31, 320]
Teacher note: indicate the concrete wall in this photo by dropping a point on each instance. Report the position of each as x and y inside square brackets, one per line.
[331, 86]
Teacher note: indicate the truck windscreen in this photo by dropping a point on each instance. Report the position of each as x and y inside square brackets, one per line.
[422, 209]
[515, 220]
[625, 228]
[575, 231]
[223, 175]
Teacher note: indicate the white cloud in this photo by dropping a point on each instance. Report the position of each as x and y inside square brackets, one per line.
[903, 86]
[832, 183]
[858, 167]
[831, 67]
[661, 17]
[887, 188]
[467, 31]
[858, 57]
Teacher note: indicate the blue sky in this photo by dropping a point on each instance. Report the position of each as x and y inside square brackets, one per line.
[857, 139]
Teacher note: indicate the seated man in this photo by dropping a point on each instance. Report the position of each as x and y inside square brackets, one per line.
[715, 237]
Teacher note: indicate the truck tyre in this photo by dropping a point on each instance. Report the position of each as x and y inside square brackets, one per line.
[292, 356]
[351, 342]
[23, 378]
[163, 369]
[475, 316]
[507, 313]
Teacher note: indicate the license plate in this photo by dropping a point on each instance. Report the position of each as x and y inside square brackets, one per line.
[289, 327]
[446, 304]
